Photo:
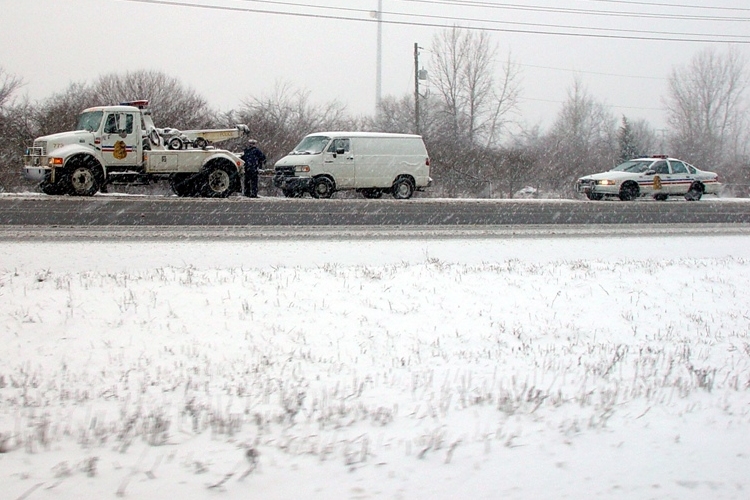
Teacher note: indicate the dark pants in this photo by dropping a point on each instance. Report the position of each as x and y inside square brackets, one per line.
[251, 182]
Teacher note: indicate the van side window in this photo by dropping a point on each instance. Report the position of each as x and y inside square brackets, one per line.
[338, 145]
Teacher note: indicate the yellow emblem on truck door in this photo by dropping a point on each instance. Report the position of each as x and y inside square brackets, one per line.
[657, 182]
[121, 151]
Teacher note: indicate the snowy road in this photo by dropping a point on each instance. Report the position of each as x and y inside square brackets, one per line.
[135, 211]
[265, 233]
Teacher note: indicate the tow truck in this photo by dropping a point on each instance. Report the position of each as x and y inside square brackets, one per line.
[120, 145]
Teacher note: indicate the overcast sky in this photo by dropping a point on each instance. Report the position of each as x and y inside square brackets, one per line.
[236, 51]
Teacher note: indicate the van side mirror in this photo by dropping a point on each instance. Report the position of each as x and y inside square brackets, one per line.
[340, 151]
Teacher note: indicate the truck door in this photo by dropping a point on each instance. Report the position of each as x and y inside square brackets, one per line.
[339, 161]
[119, 140]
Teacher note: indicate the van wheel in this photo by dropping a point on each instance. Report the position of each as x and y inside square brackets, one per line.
[402, 189]
[322, 188]
[372, 194]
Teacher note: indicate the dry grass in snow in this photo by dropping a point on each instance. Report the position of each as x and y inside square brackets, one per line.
[423, 378]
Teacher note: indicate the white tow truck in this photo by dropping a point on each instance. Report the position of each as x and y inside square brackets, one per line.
[121, 145]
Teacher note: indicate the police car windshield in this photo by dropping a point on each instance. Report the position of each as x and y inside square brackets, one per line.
[90, 121]
[635, 166]
[312, 145]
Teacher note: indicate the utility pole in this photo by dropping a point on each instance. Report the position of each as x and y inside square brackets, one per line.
[416, 88]
[379, 63]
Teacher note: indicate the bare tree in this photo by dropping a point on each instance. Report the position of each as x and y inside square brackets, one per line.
[707, 110]
[280, 119]
[394, 115]
[473, 104]
[59, 112]
[172, 103]
[8, 86]
[14, 118]
[583, 139]
[636, 138]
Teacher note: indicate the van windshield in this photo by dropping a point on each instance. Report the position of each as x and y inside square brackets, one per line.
[90, 121]
[311, 145]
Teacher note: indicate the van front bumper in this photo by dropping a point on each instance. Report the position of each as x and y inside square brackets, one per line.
[290, 183]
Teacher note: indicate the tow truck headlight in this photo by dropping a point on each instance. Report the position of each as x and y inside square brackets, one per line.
[55, 162]
[606, 182]
[302, 168]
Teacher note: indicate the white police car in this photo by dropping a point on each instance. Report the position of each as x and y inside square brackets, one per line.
[658, 176]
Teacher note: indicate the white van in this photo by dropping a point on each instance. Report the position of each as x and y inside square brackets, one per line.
[370, 163]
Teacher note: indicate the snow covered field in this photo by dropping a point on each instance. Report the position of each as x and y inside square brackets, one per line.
[527, 367]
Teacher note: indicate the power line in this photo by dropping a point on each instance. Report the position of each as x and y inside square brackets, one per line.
[551, 101]
[699, 38]
[512, 23]
[678, 6]
[567, 10]
[593, 72]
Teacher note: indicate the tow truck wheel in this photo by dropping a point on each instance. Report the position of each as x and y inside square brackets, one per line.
[83, 179]
[52, 189]
[220, 181]
[322, 188]
[629, 191]
[175, 143]
[200, 143]
[183, 185]
[56, 188]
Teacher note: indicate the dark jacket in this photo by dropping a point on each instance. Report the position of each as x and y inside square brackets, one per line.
[253, 158]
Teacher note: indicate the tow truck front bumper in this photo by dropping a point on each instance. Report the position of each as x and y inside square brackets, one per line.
[35, 167]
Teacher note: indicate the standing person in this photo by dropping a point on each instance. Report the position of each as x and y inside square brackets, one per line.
[254, 160]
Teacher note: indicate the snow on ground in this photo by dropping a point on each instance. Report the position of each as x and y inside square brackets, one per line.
[547, 367]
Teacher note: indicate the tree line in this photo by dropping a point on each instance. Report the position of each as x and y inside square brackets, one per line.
[470, 121]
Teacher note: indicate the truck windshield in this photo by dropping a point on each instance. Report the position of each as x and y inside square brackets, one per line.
[90, 121]
[311, 145]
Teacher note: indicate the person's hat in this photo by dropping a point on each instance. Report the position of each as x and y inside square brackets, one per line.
[252, 142]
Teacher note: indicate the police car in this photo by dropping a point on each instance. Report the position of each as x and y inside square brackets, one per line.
[658, 176]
